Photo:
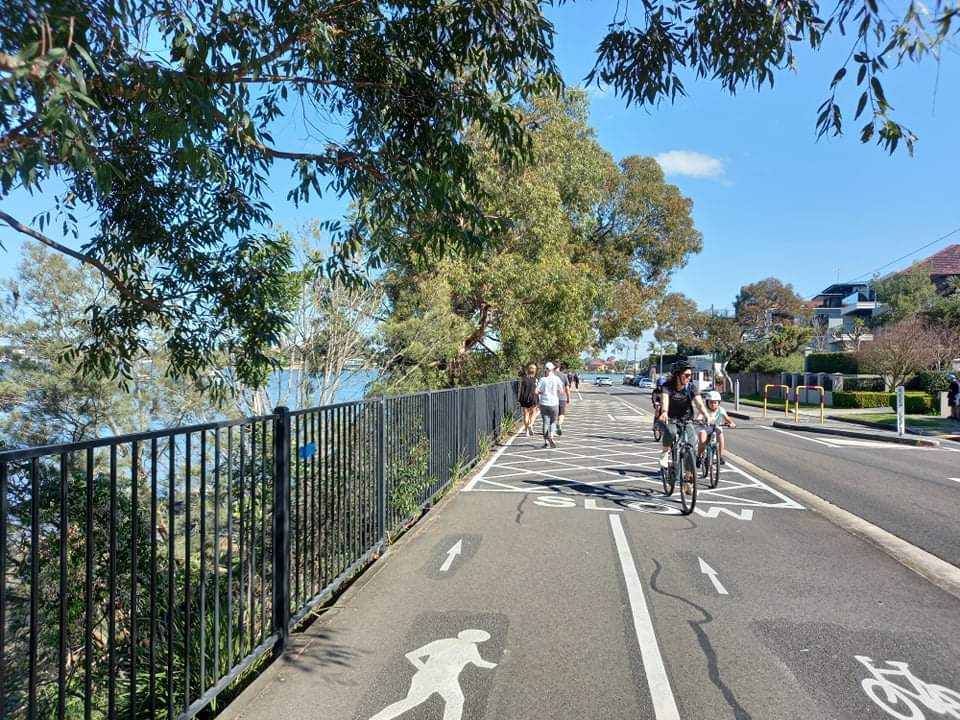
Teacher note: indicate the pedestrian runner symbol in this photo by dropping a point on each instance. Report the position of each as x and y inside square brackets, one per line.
[439, 664]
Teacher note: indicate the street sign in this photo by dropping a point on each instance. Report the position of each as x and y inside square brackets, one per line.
[901, 421]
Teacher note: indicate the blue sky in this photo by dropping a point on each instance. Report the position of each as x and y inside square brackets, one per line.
[771, 200]
[779, 202]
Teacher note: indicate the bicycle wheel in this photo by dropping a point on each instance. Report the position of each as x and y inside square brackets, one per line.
[705, 461]
[714, 472]
[688, 480]
[892, 699]
[657, 431]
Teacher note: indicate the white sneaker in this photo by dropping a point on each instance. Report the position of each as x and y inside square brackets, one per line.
[665, 461]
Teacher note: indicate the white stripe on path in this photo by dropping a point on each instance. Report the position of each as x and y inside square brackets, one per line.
[664, 704]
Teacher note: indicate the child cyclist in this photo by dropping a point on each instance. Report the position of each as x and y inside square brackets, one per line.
[716, 418]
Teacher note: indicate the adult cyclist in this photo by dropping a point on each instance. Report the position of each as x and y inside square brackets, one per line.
[679, 399]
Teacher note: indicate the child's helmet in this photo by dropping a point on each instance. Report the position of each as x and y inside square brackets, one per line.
[713, 395]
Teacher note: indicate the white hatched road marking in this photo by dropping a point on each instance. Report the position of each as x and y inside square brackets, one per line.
[605, 461]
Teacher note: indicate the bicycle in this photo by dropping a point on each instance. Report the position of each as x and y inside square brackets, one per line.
[710, 465]
[903, 702]
[683, 466]
[657, 430]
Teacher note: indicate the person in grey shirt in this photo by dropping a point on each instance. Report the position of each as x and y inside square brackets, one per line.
[549, 390]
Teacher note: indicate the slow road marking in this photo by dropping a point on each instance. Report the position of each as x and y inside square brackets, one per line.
[664, 704]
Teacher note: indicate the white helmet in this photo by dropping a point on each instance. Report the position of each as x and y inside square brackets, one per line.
[713, 395]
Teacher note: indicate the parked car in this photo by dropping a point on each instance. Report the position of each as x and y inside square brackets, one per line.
[628, 379]
[603, 382]
[645, 384]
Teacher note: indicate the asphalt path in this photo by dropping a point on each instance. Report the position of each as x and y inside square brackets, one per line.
[560, 583]
[912, 492]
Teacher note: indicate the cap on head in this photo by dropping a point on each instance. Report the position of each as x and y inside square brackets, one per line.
[549, 366]
[951, 376]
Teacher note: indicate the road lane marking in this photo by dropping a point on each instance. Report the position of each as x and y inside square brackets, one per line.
[451, 554]
[954, 479]
[664, 704]
[493, 459]
[712, 574]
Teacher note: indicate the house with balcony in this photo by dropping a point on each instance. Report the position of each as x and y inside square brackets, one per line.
[842, 313]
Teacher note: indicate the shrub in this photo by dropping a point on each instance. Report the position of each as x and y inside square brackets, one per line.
[860, 399]
[771, 364]
[836, 362]
[915, 403]
[929, 381]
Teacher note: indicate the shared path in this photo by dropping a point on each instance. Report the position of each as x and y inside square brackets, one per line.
[561, 583]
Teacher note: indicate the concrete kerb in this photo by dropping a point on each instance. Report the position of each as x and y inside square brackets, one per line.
[300, 641]
[739, 415]
[861, 434]
[939, 572]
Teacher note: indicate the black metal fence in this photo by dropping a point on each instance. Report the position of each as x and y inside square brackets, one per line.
[141, 575]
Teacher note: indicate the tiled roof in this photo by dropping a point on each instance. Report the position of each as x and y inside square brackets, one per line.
[945, 262]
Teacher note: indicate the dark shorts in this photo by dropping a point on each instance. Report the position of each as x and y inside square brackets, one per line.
[563, 407]
[528, 403]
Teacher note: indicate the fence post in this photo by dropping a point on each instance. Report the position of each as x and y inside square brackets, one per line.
[382, 468]
[281, 528]
[736, 394]
[458, 422]
[428, 426]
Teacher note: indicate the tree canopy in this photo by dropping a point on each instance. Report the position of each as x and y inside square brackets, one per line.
[162, 117]
[164, 120]
[587, 249]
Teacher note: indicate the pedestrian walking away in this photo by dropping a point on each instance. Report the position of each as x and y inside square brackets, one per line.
[564, 399]
[549, 390]
[527, 397]
[953, 397]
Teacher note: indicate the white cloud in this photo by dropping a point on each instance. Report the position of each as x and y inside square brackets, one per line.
[691, 164]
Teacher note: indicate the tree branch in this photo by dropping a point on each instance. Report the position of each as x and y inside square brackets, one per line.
[112, 276]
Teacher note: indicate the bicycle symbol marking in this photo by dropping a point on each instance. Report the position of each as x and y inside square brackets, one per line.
[900, 700]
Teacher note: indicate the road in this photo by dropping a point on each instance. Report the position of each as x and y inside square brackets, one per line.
[912, 492]
[561, 584]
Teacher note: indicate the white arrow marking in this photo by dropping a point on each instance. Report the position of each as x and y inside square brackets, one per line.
[712, 574]
[451, 554]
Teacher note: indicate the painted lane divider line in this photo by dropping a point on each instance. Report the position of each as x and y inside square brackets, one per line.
[954, 479]
[451, 554]
[664, 704]
[712, 574]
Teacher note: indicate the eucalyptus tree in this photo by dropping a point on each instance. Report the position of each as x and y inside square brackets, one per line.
[587, 245]
[164, 120]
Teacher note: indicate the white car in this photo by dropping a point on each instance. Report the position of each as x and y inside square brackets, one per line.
[603, 382]
[645, 384]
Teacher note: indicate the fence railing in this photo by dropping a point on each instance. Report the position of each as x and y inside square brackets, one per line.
[141, 575]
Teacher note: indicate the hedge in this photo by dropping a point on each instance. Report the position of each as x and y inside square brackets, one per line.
[915, 403]
[929, 381]
[836, 362]
[860, 399]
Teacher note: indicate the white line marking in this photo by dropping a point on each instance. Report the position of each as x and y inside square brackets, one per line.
[492, 460]
[664, 704]
[612, 418]
[954, 479]
[712, 574]
[451, 554]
